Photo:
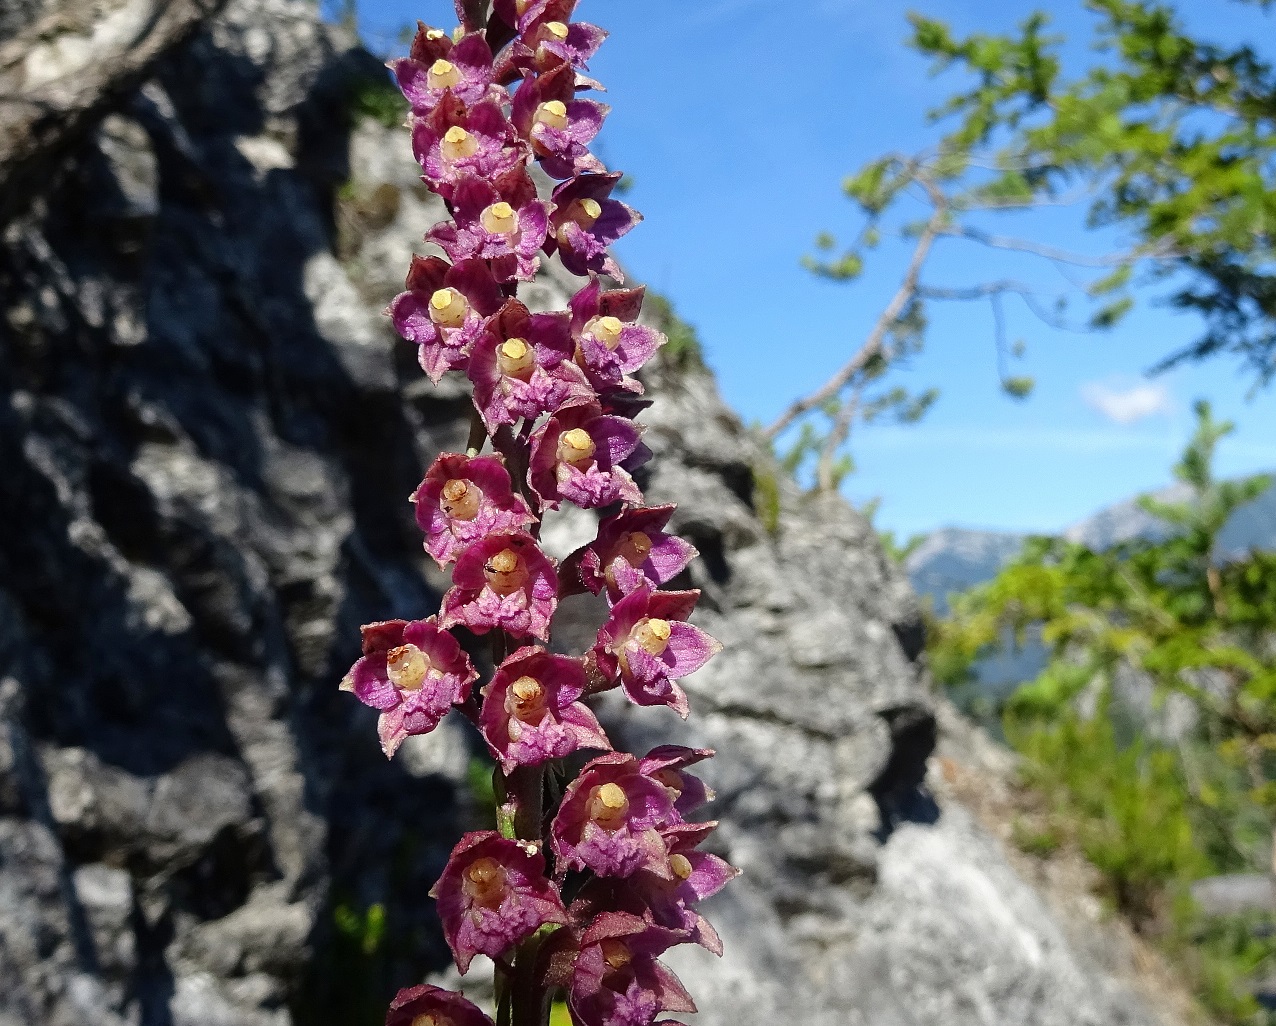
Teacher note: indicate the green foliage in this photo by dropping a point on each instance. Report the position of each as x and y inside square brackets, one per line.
[766, 498]
[1172, 134]
[900, 552]
[376, 98]
[1152, 809]
[683, 349]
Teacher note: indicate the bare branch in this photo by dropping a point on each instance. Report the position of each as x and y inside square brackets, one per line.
[873, 344]
[1051, 253]
[841, 428]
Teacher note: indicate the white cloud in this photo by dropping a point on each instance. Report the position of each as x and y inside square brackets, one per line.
[1127, 403]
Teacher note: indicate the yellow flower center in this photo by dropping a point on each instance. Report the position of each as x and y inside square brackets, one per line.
[556, 29]
[432, 1019]
[672, 780]
[516, 358]
[552, 114]
[680, 865]
[458, 144]
[499, 219]
[576, 447]
[448, 308]
[407, 666]
[461, 500]
[443, 75]
[484, 883]
[606, 329]
[652, 635]
[505, 572]
[615, 953]
[434, 35]
[586, 212]
[634, 548]
[525, 700]
[608, 806]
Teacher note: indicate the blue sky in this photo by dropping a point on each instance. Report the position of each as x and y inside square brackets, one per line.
[738, 120]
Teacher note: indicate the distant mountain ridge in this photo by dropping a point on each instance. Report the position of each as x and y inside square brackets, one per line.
[953, 559]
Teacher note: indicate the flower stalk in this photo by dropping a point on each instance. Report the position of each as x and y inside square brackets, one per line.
[593, 868]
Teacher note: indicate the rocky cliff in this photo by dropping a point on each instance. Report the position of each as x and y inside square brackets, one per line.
[207, 434]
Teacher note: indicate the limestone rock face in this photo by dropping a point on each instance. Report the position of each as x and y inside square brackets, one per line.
[207, 434]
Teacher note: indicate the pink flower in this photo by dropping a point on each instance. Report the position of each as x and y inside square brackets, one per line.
[455, 141]
[532, 711]
[414, 673]
[632, 548]
[646, 643]
[666, 763]
[558, 126]
[505, 582]
[522, 367]
[617, 979]
[581, 455]
[436, 66]
[609, 818]
[586, 221]
[549, 42]
[609, 345]
[669, 903]
[462, 500]
[432, 1006]
[493, 894]
[444, 309]
[503, 222]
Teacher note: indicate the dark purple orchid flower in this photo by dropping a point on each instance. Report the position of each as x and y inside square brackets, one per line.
[443, 310]
[503, 222]
[558, 126]
[582, 456]
[549, 44]
[502, 582]
[426, 1005]
[532, 711]
[610, 817]
[632, 548]
[586, 221]
[413, 672]
[609, 345]
[617, 979]
[454, 141]
[521, 366]
[436, 66]
[493, 894]
[646, 643]
[666, 764]
[464, 499]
